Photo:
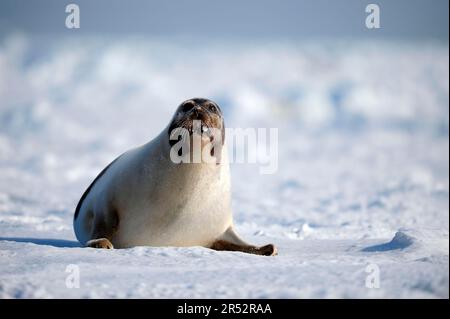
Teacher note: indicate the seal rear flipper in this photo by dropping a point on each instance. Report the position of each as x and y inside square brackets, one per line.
[230, 241]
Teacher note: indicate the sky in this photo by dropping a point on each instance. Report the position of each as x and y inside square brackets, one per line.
[232, 18]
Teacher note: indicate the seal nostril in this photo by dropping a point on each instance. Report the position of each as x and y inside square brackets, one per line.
[197, 111]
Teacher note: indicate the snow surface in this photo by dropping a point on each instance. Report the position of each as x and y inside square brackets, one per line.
[362, 180]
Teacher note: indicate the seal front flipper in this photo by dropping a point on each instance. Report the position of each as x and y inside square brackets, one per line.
[230, 241]
[103, 228]
[100, 243]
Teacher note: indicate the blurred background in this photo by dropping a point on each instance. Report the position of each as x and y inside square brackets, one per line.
[362, 114]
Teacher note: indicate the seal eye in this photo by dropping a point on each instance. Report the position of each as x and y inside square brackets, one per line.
[187, 106]
[212, 108]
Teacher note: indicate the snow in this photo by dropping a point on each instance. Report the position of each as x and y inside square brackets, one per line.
[362, 180]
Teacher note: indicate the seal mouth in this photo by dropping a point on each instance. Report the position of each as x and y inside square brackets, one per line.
[204, 129]
[198, 125]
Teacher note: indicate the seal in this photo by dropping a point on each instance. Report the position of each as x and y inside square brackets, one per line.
[161, 194]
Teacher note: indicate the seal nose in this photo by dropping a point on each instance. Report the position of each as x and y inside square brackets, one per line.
[197, 110]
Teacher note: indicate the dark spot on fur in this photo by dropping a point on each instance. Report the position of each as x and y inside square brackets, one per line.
[115, 220]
